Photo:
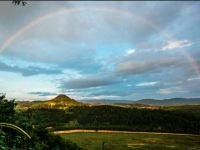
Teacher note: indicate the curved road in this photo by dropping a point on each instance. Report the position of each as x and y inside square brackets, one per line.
[111, 131]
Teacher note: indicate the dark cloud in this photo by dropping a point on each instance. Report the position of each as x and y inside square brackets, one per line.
[28, 71]
[87, 82]
[111, 93]
[42, 93]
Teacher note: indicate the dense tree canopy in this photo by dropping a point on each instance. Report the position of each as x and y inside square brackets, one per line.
[7, 109]
[115, 118]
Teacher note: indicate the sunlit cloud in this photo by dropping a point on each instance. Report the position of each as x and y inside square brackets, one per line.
[147, 83]
[130, 51]
[171, 90]
[194, 78]
[176, 44]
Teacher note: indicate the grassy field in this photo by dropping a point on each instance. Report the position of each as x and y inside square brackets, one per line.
[136, 141]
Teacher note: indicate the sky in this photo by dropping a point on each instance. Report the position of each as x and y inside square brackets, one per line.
[121, 50]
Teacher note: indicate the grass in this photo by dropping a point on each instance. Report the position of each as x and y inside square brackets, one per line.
[136, 141]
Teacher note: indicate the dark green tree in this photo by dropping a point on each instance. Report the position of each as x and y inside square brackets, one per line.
[7, 109]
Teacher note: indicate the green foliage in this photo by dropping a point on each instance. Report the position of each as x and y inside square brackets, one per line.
[73, 124]
[3, 145]
[16, 128]
[7, 109]
[42, 140]
[46, 117]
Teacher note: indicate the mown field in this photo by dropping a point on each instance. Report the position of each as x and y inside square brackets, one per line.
[135, 141]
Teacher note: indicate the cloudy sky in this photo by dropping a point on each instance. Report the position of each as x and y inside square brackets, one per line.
[100, 50]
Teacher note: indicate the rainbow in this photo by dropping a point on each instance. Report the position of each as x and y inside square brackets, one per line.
[62, 11]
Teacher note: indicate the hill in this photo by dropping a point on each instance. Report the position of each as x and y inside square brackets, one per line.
[58, 102]
[62, 99]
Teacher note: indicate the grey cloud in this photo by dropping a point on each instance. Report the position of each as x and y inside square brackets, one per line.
[192, 86]
[83, 27]
[61, 53]
[42, 93]
[165, 13]
[187, 88]
[28, 71]
[140, 67]
[111, 93]
[87, 82]
[76, 23]
[12, 15]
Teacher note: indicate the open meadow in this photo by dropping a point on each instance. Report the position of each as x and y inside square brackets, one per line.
[135, 141]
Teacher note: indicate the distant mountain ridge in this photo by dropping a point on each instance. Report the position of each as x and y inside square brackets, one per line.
[155, 102]
[107, 101]
[172, 101]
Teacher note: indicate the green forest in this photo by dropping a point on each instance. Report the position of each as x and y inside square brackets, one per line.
[114, 118]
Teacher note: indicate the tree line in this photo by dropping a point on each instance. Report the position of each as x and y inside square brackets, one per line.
[115, 118]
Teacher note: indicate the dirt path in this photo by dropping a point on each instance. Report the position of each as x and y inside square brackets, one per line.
[111, 131]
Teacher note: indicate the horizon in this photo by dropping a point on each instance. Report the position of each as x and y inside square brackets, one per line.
[100, 50]
[96, 100]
